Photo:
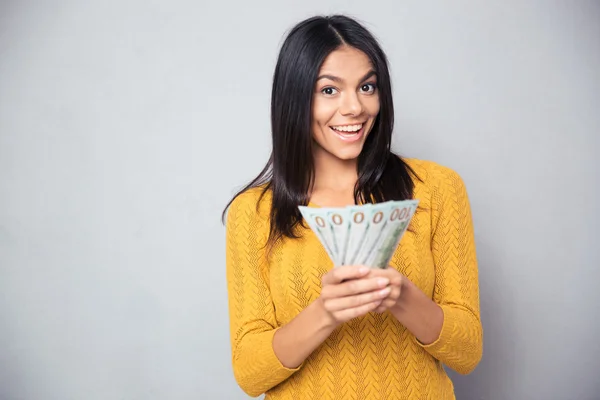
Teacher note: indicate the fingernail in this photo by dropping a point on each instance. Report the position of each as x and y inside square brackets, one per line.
[363, 270]
[383, 282]
[385, 291]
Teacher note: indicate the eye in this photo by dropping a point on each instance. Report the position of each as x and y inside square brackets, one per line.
[329, 91]
[368, 87]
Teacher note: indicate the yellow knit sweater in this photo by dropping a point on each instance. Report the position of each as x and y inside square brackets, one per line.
[374, 356]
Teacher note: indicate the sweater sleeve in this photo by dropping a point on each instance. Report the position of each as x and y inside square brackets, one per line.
[456, 291]
[251, 311]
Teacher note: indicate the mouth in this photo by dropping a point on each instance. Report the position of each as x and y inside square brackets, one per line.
[349, 133]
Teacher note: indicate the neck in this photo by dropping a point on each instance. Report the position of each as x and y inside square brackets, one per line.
[334, 174]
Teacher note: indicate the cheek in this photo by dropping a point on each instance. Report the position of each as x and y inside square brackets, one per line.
[372, 106]
[322, 113]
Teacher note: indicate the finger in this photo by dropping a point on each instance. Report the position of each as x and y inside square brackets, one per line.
[373, 272]
[395, 293]
[392, 274]
[381, 308]
[388, 303]
[391, 300]
[339, 274]
[344, 303]
[384, 306]
[353, 287]
[396, 280]
[380, 273]
[350, 313]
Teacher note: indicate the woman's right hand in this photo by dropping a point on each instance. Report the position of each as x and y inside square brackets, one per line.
[347, 294]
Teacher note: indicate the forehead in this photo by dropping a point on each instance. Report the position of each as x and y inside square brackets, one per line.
[346, 62]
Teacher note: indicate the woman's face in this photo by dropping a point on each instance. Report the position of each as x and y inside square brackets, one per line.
[345, 104]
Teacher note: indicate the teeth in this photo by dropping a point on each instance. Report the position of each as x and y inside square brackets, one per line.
[347, 128]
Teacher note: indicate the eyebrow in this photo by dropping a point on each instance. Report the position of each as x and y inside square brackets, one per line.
[336, 79]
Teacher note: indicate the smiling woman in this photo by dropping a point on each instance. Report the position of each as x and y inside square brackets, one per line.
[301, 329]
[345, 104]
[330, 72]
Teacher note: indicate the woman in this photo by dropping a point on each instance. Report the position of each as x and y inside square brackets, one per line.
[301, 329]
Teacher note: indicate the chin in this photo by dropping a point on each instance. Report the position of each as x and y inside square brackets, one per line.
[348, 155]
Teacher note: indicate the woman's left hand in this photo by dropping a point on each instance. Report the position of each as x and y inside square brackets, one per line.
[396, 281]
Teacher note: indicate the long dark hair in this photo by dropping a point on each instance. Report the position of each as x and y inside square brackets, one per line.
[289, 172]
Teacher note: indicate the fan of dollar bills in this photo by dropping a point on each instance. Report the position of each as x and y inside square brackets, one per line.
[361, 235]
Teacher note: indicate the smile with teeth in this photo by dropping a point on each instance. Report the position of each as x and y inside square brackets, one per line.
[347, 129]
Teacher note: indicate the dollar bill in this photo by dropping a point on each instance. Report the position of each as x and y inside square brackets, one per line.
[359, 224]
[398, 222]
[378, 217]
[339, 225]
[391, 216]
[368, 234]
[316, 219]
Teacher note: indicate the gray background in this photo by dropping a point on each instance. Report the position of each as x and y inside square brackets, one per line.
[125, 127]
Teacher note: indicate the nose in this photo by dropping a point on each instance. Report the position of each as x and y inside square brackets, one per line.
[350, 104]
